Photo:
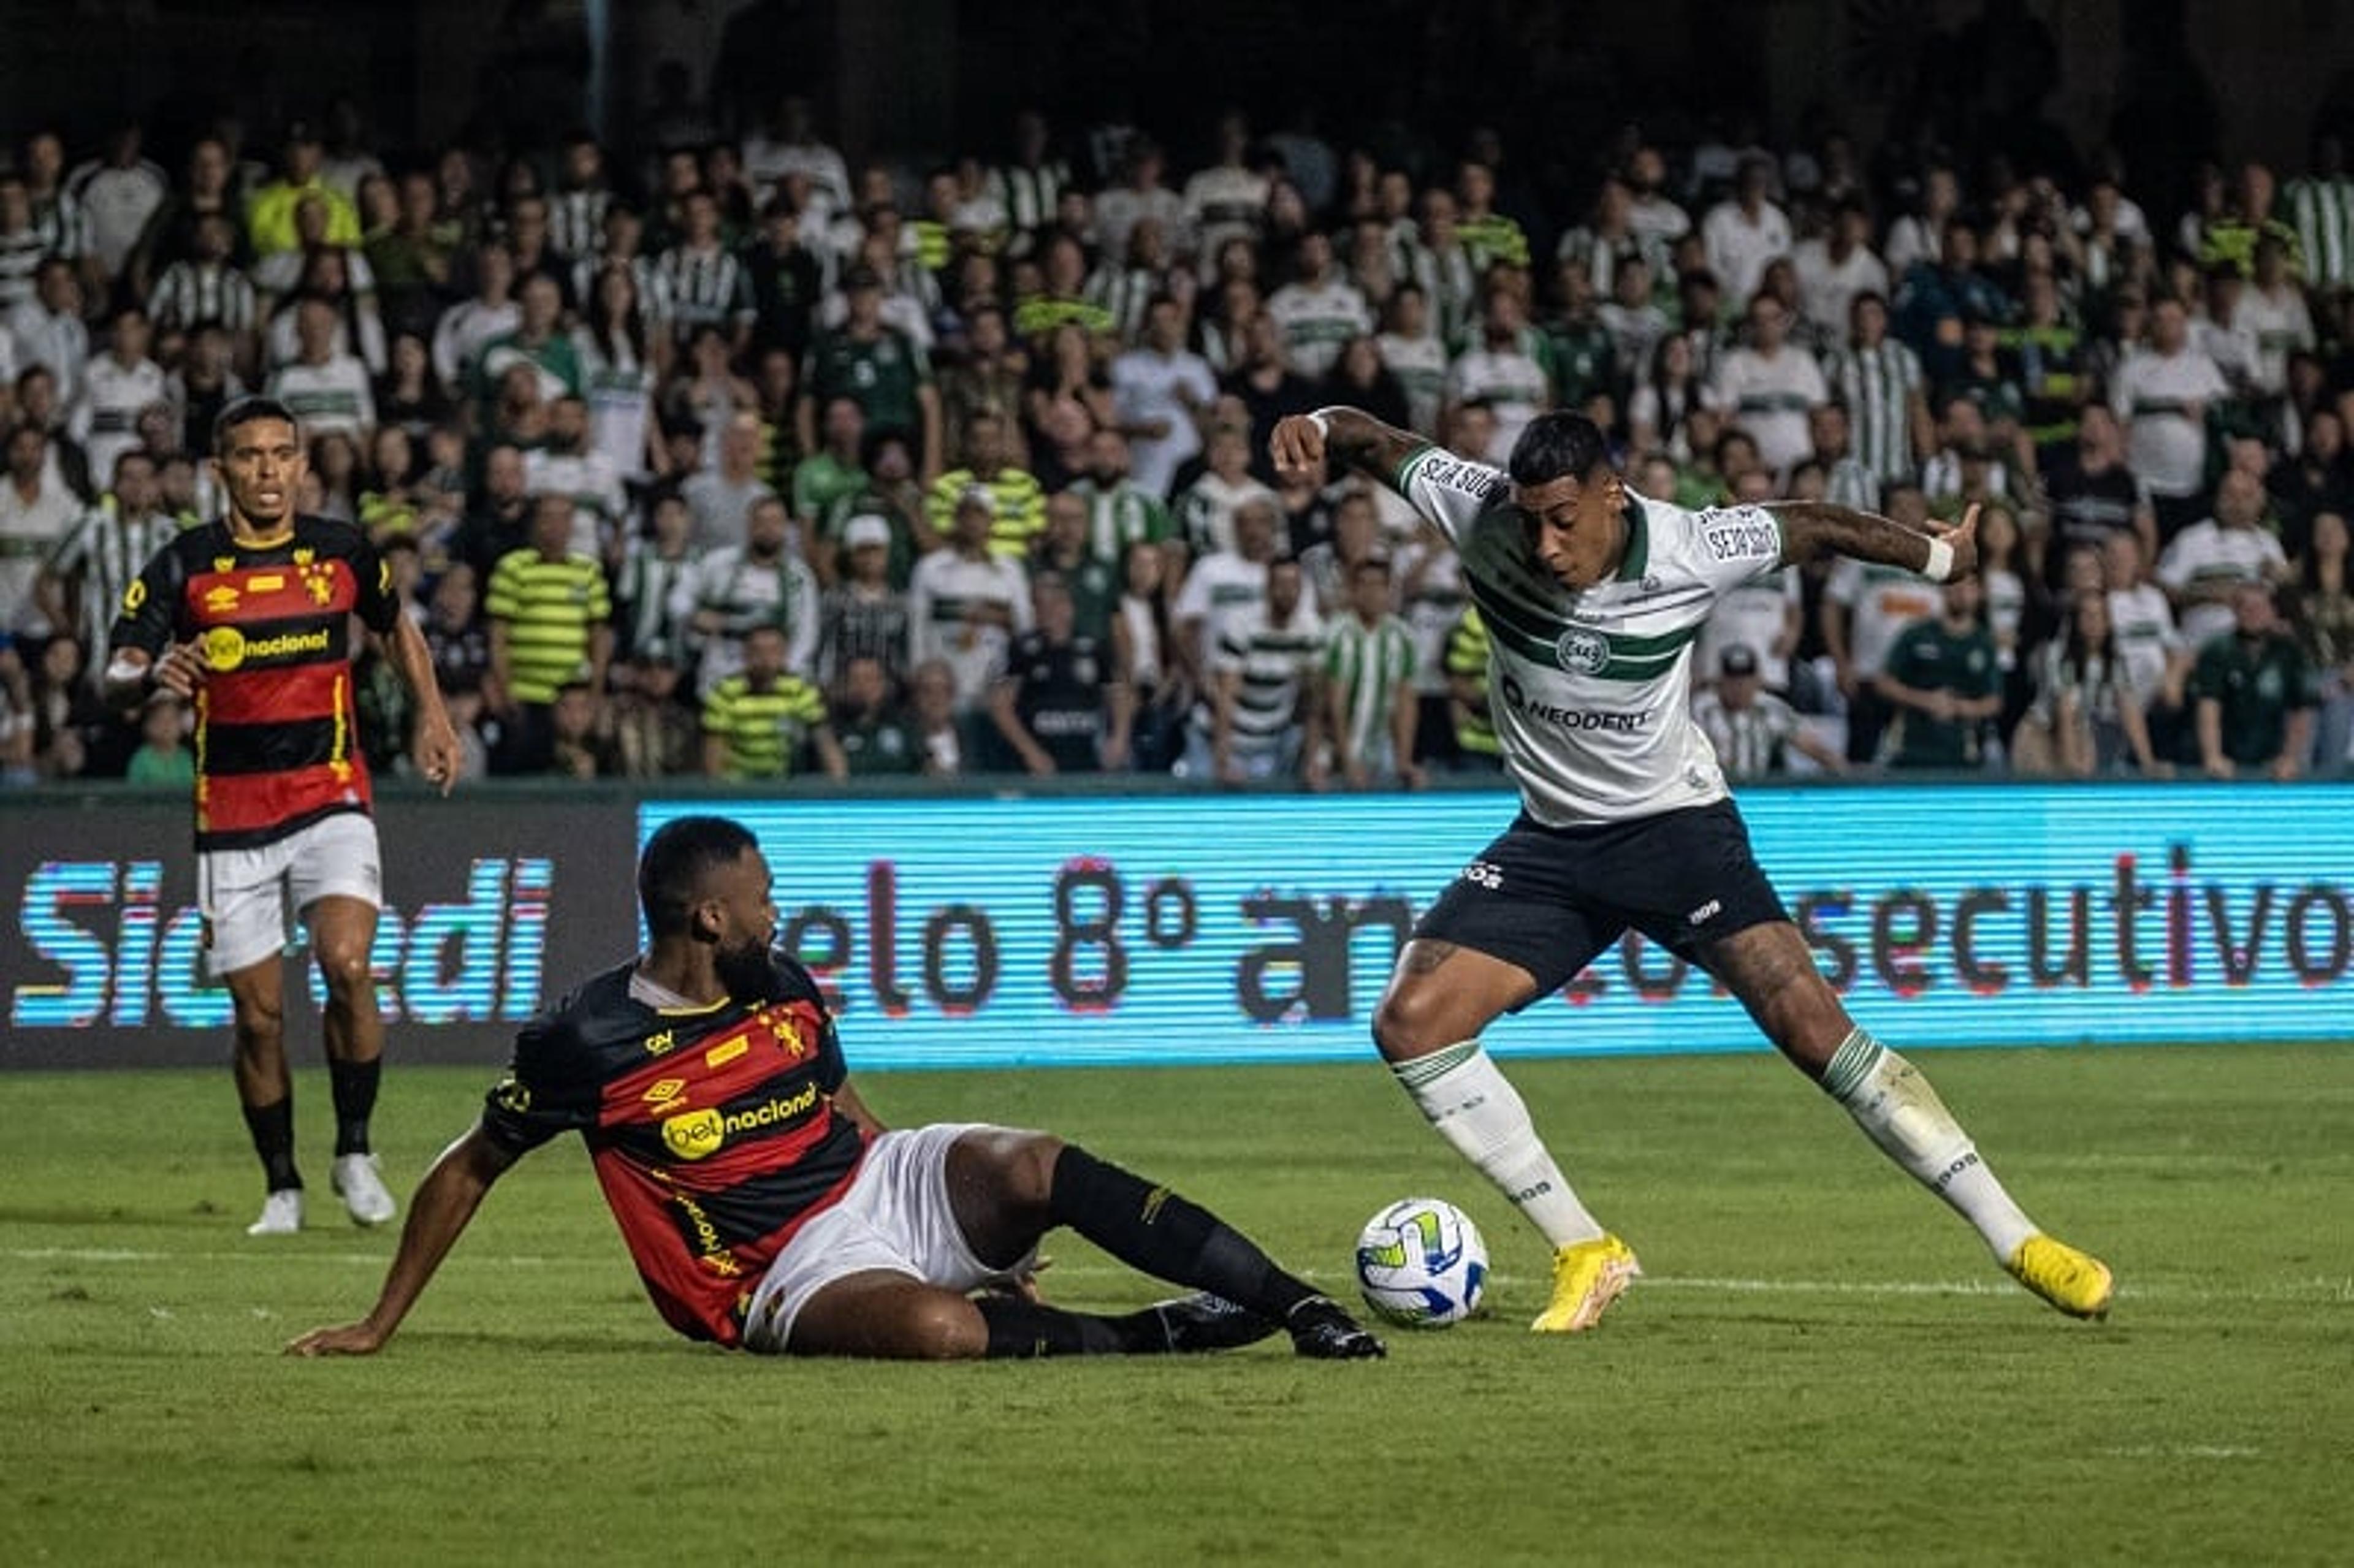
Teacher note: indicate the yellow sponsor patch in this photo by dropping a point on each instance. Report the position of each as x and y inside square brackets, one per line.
[266, 582]
[224, 647]
[726, 1051]
[694, 1136]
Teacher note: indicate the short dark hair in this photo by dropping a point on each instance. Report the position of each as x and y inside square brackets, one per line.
[248, 411]
[1561, 444]
[674, 862]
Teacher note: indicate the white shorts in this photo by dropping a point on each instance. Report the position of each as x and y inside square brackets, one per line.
[251, 897]
[896, 1218]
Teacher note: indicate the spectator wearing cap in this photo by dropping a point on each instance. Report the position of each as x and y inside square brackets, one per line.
[967, 602]
[863, 617]
[1754, 731]
[875, 365]
[892, 493]
[1017, 503]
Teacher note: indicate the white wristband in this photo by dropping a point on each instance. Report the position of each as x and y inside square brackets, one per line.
[1323, 425]
[1940, 566]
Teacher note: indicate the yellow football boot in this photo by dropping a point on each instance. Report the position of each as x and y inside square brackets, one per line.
[2076, 1282]
[1586, 1278]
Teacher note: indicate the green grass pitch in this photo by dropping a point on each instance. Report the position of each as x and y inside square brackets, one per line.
[1820, 1367]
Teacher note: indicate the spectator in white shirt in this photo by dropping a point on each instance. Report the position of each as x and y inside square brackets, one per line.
[1745, 232]
[1159, 392]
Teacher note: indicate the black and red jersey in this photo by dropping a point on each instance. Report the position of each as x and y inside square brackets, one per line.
[277, 741]
[713, 1132]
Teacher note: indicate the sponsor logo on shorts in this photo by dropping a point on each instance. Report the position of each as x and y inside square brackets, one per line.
[1706, 913]
[1484, 874]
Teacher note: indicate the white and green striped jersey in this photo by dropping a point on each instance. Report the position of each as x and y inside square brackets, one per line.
[1877, 385]
[2321, 210]
[1368, 665]
[1317, 321]
[1592, 692]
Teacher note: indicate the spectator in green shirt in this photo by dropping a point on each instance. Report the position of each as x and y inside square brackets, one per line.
[756, 724]
[1943, 682]
[2254, 694]
[162, 758]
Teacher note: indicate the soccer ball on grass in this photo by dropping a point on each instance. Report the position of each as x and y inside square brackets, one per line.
[1420, 1262]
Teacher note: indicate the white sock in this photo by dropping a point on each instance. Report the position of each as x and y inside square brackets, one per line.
[1475, 1109]
[1900, 1112]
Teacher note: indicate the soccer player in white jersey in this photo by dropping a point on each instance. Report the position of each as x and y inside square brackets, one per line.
[1592, 596]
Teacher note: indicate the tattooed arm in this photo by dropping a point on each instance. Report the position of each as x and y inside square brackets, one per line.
[1345, 438]
[1811, 529]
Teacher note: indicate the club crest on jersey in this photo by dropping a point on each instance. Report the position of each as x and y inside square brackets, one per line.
[1582, 653]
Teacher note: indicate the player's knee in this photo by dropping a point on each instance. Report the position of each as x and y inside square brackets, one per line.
[939, 1327]
[1412, 1020]
[345, 968]
[1030, 1170]
[258, 1025]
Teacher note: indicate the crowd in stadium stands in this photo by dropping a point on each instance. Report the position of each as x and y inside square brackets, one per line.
[752, 464]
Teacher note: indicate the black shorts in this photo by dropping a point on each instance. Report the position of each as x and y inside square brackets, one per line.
[1550, 899]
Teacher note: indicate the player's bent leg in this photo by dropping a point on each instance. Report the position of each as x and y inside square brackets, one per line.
[1769, 967]
[1006, 1189]
[881, 1315]
[1428, 1024]
[343, 934]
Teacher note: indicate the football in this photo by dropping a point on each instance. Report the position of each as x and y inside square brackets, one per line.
[1420, 1262]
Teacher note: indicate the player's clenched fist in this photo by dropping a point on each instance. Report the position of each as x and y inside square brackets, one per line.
[1297, 444]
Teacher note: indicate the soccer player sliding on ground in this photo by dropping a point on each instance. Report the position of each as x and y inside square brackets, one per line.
[765, 1206]
[1593, 596]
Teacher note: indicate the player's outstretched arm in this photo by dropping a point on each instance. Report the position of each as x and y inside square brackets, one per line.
[1811, 529]
[1343, 438]
[437, 1215]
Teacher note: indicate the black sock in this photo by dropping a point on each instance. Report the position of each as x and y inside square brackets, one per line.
[1153, 1229]
[273, 1128]
[1025, 1330]
[354, 1089]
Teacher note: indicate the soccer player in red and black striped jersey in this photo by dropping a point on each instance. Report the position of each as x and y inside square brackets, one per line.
[249, 619]
[765, 1206]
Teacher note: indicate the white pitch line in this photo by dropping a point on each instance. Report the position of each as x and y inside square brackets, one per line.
[2289, 1290]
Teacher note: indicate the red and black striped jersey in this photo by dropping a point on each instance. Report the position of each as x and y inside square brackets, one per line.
[713, 1132]
[277, 746]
